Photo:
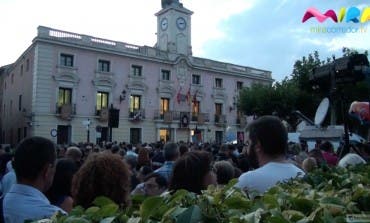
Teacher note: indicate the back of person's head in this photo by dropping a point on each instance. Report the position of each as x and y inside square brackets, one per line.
[102, 174]
[351, 159]
[131, 161]
[32, 156]
[270, 132]
[65, 169]
[224, 171]
[171, 151]
[316, 153]
[190, 171]
[183, 149]
[326, 146]
[309, 164]
[159, 179]
[115, 148]
[74, 153]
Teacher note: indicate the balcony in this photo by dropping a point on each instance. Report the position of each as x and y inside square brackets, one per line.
[102, 114]
[136, 115]
[241, 121]
[200, 118]
[220, 120]
[65, 111]
[163, 116]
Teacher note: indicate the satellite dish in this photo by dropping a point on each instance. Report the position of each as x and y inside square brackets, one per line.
[321, 111]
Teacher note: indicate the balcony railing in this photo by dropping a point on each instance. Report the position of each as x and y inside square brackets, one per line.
[136, 114]
[102, 113]
[200, 117]
[220, 119]
[65, 111]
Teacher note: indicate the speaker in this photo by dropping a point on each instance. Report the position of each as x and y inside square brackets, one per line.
[113, 118]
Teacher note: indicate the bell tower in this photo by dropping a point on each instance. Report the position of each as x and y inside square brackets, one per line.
[174, 28]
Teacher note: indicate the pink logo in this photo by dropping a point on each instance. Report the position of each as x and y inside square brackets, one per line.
[313, 12]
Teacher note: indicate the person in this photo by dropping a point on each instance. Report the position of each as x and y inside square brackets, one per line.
[224, 171]
[309, 164]
[102, 174]
[267, 141]
[34, 165]
[8, 180]
[327, 151]
[74, 153]
[193, 172]
[143, 158]
[351, 159]
[153, 184]
[171, 153]
[59, 193]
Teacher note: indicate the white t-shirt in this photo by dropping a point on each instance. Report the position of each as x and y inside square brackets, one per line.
[267, 176]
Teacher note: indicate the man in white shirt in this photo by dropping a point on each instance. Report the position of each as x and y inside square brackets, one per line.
[267, 140]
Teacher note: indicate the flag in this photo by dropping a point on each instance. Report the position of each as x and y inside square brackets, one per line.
[195, 97]
[188, 96]
[178, 97]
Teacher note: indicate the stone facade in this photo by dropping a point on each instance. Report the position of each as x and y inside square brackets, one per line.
[63, 85]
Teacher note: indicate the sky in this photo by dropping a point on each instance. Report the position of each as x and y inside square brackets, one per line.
[264, 34]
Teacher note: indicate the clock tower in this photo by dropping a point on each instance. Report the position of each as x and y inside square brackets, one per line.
[174, 28]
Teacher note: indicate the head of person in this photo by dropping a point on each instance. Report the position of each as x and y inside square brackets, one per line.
[143, 157]
[327, 147]
[224, 171]
[309, 164]
[74, 153]
[192, 172]
[171, 151]
[316, 153]
[65, 169]
[267, 137]
[34, 162]
[183, 148]
[154, 184]
[351, 159]
[102, 174]
[143, 172]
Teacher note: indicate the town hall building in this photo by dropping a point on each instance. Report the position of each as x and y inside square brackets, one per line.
[72, 87]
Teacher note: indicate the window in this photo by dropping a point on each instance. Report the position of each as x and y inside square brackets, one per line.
[135, 101]
[22, 70]
[135, 136]
[239, 85]
[218, 108]
[196, 79]
[66, 60]
[20, 103]
[101, 100]
[136, 70]
[196, 107]
[218, 82]
[64, 96]
[104, 66]
[166, 75]
[27, 65]
[165, 105]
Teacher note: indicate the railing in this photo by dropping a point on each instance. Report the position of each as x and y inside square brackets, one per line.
[65, 111]
[136, 114]
[220, 119]
[85, 40]
[200, 117]
[102, 113]
[60, 35]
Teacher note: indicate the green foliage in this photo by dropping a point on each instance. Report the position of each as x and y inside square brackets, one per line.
[322, 196]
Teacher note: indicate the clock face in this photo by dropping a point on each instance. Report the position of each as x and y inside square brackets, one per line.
[181, 23]
[164, 24]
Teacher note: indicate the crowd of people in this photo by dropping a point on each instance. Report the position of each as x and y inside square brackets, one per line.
[39, 178]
